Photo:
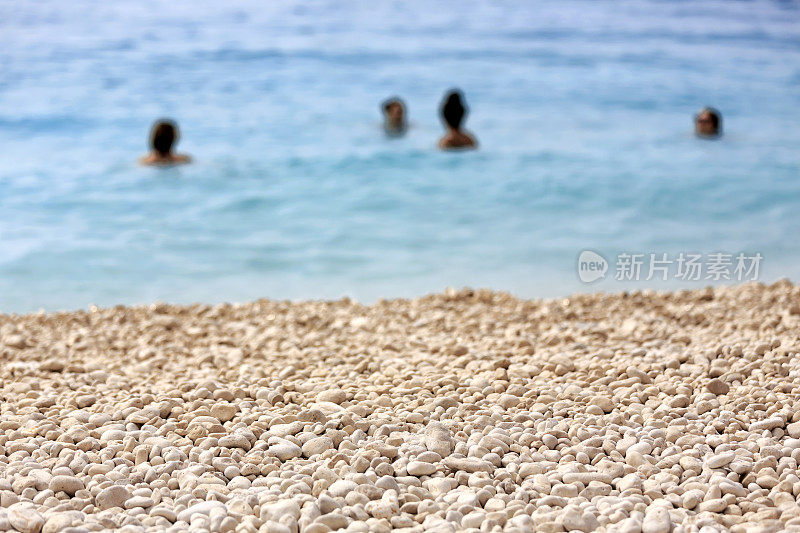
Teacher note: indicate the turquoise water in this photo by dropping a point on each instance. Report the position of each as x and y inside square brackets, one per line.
[583, 110]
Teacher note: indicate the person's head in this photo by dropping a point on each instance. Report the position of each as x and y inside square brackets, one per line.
[708, 122]
[163, 136]
[453, 109]
[395, 111]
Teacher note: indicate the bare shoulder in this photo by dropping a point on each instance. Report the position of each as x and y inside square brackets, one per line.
[456, 141]
[156, 160]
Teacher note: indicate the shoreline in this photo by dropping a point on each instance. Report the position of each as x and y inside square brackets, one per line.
[469, 409]
[533, 293]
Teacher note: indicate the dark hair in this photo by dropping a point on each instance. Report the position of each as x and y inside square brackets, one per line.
[716, 117]
[389, 102]
[163, 136]
[453, 109]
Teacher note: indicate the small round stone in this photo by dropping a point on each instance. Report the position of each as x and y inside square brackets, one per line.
[420, 468]
[718, 387]
[113, 496]
[68, 484]
[336, 396]
[317, 446]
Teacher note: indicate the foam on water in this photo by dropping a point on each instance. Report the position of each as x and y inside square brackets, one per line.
[583, 111]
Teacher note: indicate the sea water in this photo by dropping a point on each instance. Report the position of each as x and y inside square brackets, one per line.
[583, 111]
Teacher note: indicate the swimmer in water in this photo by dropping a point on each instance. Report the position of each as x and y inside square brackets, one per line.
[708, 123]
[163, 137]
[394, 112]
[453, 113]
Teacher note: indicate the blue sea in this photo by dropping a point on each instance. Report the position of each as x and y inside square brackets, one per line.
[583, 110]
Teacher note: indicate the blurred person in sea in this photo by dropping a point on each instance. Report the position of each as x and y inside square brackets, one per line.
[708, 123]
[453, 111]
[394, 116]
[163, 136]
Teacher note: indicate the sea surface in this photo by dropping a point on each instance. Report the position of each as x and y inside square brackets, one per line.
[583, 110]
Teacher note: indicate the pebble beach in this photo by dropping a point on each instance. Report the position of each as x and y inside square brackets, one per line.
[469, 410]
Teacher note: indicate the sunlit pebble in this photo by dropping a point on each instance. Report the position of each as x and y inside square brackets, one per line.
[646, 411]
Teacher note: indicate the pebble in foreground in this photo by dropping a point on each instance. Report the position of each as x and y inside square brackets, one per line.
[467, 410]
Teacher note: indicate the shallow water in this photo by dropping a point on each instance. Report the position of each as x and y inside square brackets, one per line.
[583, 111]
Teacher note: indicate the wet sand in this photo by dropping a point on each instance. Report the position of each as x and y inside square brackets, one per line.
[467, 410]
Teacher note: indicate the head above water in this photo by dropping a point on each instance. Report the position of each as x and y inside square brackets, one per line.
[395, 111]
[708, 122]
[453, 109]
[163, 136]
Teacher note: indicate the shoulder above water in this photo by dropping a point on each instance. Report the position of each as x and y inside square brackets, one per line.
[154, 159]
[456, 140]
